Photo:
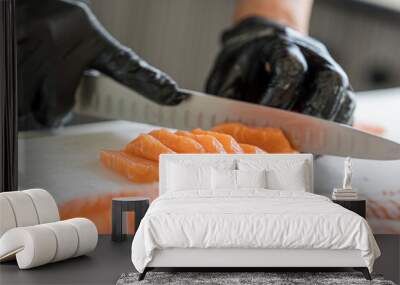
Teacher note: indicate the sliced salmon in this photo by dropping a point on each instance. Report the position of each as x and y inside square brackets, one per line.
[229, 143]
[148, 147]
[179, 144]
[136, 169]
[247, 148]
[271, 140]
[209, 143]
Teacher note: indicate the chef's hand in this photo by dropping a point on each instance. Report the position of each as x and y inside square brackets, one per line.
[57, 41]
[270, 64]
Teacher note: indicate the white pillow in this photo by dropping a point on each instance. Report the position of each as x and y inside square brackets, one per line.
[281, 174]
[251, 178]
[181, 177]
[288, 178]
[223, 179]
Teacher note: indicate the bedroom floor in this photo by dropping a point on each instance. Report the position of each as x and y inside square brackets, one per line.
[106, 264]
[103, 266]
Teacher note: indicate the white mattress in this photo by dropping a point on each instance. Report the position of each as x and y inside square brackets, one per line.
[254, 218]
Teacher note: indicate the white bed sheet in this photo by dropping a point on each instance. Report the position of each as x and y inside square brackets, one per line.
[251, 218]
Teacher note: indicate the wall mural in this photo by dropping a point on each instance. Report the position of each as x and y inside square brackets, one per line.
[69, 162]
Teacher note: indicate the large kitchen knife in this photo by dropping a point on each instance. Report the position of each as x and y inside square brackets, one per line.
[103, 97]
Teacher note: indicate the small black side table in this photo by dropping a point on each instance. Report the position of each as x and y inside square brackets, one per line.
[357, 206]
[125, 204]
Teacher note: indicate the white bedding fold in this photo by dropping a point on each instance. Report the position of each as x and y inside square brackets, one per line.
[250, 219]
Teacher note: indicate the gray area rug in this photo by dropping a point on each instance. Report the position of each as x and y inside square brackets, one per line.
[273, 278]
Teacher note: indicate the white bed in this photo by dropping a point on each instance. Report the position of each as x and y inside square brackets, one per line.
[249, 227]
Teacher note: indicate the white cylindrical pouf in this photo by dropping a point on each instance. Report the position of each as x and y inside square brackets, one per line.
[67, 240]
[23, 208]
[45, 205]
[31, 232]
[87, 234]
[40, 244]
[33, 246]
[7, 218]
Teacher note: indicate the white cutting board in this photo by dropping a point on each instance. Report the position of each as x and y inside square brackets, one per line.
[67, 162]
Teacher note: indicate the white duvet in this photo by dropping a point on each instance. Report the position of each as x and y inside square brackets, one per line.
[250, 219]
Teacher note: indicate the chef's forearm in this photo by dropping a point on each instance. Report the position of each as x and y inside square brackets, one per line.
[293, 13]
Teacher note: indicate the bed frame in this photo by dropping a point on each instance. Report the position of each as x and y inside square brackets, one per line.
[245, 259]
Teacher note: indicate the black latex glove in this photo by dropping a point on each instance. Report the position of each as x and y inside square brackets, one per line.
[57, 41]
[269, 64]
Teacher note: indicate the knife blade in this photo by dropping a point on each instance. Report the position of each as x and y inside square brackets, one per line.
[103, 97]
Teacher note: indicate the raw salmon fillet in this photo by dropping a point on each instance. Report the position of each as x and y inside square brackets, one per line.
[139, 160]
[177, 143]
[136, 169]
[148, 147]
[271, 140]
[209, 143]
[229, 143]
[251, 149]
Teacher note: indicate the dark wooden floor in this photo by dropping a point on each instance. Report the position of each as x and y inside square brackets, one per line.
[102, 266]
[110, 260]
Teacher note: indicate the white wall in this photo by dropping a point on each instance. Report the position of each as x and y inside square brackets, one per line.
[179, 37]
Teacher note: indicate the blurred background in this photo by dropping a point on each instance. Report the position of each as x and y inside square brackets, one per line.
[363, 36]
